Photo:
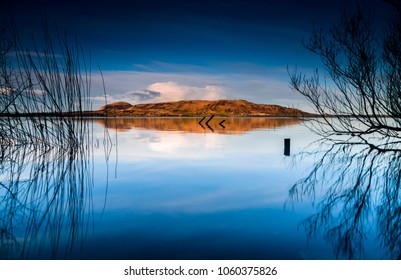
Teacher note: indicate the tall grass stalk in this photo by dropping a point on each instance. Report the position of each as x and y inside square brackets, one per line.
[36, 84]
[45, 144]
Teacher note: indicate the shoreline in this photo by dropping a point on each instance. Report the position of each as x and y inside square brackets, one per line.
[85, 115]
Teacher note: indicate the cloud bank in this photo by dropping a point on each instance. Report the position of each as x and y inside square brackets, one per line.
[172, 91]
[165, 92]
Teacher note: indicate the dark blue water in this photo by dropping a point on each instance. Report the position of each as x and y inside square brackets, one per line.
[183, 195]
[181, 192]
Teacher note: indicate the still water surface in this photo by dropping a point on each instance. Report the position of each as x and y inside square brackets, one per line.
[174, 189]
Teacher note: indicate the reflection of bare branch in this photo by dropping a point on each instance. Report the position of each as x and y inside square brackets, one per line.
[46, 193]
[359, 187]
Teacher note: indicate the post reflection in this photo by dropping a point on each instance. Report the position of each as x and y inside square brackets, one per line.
[355, 185]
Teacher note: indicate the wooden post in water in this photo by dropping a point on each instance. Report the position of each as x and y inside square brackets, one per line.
[287, 143]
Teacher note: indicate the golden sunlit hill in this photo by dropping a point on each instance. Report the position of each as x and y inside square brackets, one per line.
[120, 105]
[190, 108]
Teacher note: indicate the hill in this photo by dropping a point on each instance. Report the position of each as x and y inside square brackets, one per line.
[226, 108]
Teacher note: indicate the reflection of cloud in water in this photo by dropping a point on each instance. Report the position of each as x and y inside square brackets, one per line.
[169, 182]
[142, 143]
[138, 145]
[199, 173]
[174, 143]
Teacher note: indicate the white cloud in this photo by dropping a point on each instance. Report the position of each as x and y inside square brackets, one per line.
[172, 91]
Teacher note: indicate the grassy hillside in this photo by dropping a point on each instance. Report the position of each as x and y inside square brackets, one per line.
[227, 108]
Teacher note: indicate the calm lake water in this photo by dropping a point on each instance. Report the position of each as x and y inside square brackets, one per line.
[168, 189]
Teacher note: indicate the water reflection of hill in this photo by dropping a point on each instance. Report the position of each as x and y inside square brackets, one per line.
[230, 125]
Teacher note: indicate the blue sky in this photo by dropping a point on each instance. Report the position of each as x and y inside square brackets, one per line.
[152, 51]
